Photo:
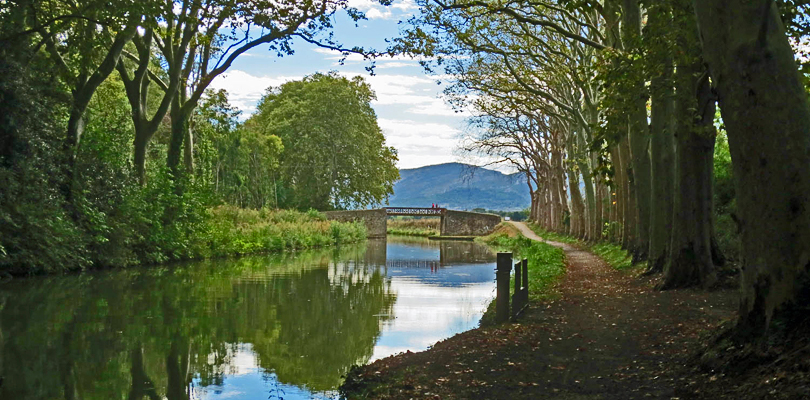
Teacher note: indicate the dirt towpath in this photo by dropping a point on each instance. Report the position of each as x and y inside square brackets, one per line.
[608, 335]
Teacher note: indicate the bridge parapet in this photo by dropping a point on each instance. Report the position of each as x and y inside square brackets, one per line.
[454, 223]
[464, 223]
[374, 220]
[415, 211]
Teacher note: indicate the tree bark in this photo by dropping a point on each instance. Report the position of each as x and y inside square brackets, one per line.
[617, 194]
[629, 211]
[178, 135]
[765, 110]
[577, 205]
[662, 148]
[639, 140]
[140, 144]
[690, 261]
[591, 224]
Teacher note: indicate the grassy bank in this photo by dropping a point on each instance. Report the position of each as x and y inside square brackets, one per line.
[612, 253]
[414, 226]
[243, 231]
[132, 238]
[546, 263]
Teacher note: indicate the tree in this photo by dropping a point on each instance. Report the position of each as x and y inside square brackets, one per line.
[334, 151]
[765, 111]
[83, 42]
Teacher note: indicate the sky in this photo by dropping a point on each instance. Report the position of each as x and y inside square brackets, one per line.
[410, 111]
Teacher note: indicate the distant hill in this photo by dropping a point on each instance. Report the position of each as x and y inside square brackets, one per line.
[461, 187]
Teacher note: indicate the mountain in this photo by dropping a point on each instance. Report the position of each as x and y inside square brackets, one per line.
[460, 187]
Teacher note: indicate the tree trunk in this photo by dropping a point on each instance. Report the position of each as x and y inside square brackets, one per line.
[179, 128]
[690, 261]
[765, 110]
[663, 176]
[141, 142]
[617, 194]
[627, 195]
[590, 196]
[639, 139]
[662, 150]
[188, 151]
[577, 205]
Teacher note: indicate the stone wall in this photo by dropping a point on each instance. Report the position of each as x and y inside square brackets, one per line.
[463, 223]
[375, 220]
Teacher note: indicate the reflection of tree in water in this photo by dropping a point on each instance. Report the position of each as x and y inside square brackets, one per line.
[146, 333]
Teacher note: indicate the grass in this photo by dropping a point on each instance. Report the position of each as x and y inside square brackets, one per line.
[414, 226]
[612, 253]
[239, 231]
[546, 263]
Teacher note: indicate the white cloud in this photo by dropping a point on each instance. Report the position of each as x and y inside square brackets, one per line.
[377, 14]
[435, 107]
[394, 64]
[385, 61]
[374, 10]
[405, 5]
[420, 143]
[245, 90]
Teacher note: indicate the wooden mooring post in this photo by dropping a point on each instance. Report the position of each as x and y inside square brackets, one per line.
[502, 273]
[520, 299]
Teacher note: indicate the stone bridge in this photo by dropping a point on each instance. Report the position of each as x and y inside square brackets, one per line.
[454, 223]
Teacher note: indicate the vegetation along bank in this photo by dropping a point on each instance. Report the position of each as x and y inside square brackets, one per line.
[136, 189]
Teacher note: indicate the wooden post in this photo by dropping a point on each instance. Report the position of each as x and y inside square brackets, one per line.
[502, 275]
[525, 265]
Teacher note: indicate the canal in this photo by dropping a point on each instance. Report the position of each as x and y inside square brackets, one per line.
[283, 326]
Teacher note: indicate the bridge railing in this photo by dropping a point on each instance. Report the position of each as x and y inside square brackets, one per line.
[415, 211]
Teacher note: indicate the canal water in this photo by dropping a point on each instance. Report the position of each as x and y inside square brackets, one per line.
[272, 327]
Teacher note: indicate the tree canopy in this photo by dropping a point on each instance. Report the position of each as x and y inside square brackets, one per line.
[334, 151]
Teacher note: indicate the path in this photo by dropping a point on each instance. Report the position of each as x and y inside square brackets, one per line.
[609, 335]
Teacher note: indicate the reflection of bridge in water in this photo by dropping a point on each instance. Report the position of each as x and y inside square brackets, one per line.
[444, 254]
[405, 263]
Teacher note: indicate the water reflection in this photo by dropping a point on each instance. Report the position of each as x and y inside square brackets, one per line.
[283, 326]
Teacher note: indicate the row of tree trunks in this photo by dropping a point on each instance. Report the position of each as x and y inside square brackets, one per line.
[659, 203]
[765, 110]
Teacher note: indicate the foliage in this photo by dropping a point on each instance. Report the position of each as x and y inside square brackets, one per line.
[334, 152]
[512, 215]
[244, 231]
[725, 203]
[546, 262]
[614, 255]
[414, 226]
[36, 230]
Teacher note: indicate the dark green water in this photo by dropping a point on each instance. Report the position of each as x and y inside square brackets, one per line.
[286, 326]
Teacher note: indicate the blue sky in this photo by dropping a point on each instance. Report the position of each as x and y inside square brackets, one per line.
[410, 110]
